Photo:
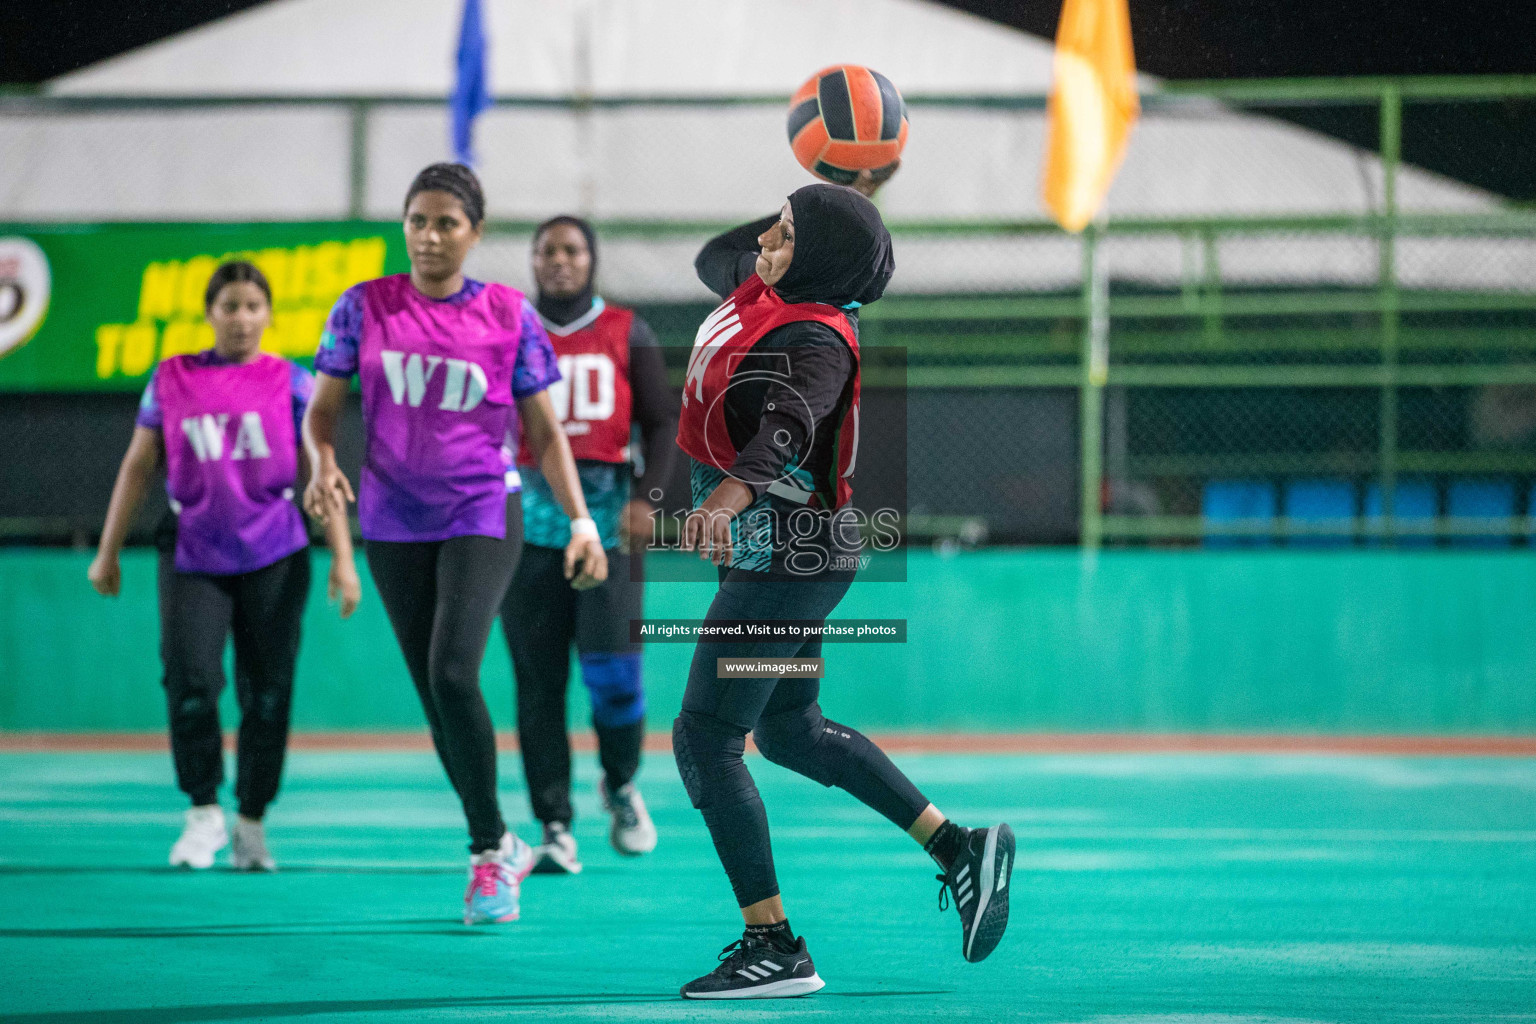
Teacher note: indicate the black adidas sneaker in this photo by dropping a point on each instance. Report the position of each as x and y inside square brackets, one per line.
[753, 969]
[977, 882]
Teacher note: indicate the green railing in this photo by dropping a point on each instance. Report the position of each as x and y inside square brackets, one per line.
[1207, 335]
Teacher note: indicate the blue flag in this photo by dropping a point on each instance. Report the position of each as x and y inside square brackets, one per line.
[472, 91]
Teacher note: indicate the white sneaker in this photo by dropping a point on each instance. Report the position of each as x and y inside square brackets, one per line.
[250, 851]
[203, 836]
[632, 831]
[557, 854]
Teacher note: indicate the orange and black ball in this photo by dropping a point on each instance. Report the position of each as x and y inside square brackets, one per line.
[847, 119]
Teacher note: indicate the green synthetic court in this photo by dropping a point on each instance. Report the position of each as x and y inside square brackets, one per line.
[1151, 888]
[1172, 888]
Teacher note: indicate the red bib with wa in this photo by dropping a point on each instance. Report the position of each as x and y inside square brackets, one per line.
[592, 398]
[740, 322]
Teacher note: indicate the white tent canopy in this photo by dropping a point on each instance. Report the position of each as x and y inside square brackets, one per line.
[561, 47]
[695, 162]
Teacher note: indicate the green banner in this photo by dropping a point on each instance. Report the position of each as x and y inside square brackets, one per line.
[85, 308]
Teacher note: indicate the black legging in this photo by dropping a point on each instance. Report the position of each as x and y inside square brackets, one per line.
[541, 618]
[264, 609]
[442, 597]
[786, 723]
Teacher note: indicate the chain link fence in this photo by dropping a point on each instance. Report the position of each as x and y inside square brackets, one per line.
[1304, 339]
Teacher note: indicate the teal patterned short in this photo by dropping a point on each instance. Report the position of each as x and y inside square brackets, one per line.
[606, 487]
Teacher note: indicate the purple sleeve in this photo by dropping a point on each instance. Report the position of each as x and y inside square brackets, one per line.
[303, 385]
[535, 368]
[149, 415]
[337, 355]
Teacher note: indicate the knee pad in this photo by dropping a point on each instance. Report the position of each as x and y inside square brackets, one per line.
[270, 706]
[613, 682]
[794, 740]
[194, 705]
[708, 753]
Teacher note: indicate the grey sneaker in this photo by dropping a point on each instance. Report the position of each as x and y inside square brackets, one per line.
[250, 852]
[557, 854]
[632, 832]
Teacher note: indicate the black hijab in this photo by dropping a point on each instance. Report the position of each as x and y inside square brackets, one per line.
[564, 311]
[842, 250]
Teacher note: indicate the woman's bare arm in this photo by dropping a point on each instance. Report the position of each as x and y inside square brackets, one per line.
[133, 478]
[547, 442]
[328, 490]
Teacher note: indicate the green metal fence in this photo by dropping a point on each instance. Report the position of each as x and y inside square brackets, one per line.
[1243, 346]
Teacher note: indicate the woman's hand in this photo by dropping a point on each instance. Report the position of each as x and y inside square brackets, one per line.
[869, 182]
[105, 574]
[343, 586]
[708, 527]
[546, 439]
[327, 493]
[585, 550]
[635, 525]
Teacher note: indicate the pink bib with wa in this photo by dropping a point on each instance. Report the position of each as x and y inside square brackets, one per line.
[231, 462]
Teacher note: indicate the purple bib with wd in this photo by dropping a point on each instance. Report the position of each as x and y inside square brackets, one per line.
[231, 462]
[437, 403]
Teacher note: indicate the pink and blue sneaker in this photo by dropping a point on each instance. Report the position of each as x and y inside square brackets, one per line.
[495, 881]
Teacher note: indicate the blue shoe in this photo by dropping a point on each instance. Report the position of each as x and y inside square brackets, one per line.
[495, 882]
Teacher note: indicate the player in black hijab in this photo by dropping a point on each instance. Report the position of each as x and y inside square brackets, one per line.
[842, 253]
[826, 254]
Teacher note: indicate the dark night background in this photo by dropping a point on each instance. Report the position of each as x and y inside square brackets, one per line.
[1486, 144]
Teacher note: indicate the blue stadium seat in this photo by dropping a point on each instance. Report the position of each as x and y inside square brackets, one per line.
[1225, 501]
[1530, 515]
[1319, 501]
[1490, 500]
[1413, 504]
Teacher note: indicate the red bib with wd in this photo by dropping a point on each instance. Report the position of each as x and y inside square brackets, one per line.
[741, 321]
[592, 398]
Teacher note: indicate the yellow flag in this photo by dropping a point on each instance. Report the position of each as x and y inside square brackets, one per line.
[1092, 107]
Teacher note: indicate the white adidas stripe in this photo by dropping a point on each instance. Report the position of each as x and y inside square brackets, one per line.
[760, 970]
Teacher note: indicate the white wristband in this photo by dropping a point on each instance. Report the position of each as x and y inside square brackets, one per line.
[583, 526]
